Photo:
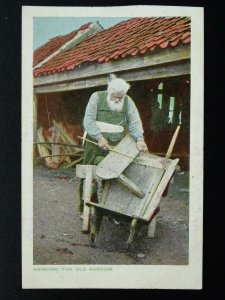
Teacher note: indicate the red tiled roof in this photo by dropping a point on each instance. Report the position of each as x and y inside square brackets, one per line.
[54, 44]
[129, 38]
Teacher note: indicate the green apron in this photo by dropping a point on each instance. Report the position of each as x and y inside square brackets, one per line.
[92, 153]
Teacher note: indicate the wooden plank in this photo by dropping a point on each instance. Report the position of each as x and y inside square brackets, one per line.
[133, 231]
[160, 71]
[42, 149]
[126, 182]
[118, 197]
[147, 159]
[95, 69]
[81, 170]
[159, 184]
[146, 183]
[148, 73]
[77, 185]
[105, 192]
[154, 203]
[151, 228]
[88, 203]
[93, 204]
[140, 175]
[120, 200]
[115, 163]
[99, 189]
[73, 85]
[173, 141]
[87, 189]
[156, 181]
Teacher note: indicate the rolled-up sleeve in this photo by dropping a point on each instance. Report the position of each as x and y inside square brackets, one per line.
[134, 121]
[89, 121]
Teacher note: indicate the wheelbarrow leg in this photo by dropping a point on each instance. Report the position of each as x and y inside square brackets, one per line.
[87, 192]
[78, 193]
[152, 225]
[133, 231]
[151, 228]
[95, 224]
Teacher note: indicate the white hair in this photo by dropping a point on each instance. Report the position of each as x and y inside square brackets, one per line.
[118, 85]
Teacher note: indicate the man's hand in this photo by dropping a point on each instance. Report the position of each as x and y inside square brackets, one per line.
[103, 144]
[142, 146]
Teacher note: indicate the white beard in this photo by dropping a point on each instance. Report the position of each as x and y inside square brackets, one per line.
[113, 106]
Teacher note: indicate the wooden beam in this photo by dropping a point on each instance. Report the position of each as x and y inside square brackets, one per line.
[81, 171]
[118, 159]
[151, 228]
[148, 73]
[131, 186]
[96, 69]
[161, 71]
[155, 199]
[149, 161]
[95, 204]
[87, 190]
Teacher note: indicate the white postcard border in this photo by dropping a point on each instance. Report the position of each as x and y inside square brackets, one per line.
[117, 276]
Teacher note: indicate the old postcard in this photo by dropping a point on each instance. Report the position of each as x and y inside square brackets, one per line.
[112, 147]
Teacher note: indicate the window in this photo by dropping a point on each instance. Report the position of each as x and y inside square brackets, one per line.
[160, 96]
[171, 110]
[159, 100]
[166, 106]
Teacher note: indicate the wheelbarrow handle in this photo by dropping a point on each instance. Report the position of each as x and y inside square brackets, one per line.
[172, 143]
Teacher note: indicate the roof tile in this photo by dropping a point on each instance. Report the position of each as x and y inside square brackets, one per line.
[164, 44]
[187, 40]
[129, 38]
[174, 43]
[54, 44]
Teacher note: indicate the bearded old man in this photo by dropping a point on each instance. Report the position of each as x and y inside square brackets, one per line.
[109, 114]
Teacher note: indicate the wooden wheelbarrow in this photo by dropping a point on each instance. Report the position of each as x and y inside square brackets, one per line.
[133, 185]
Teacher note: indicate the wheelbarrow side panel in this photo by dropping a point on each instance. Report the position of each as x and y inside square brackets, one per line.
[152, 181]
[120, 200]
[155, 200]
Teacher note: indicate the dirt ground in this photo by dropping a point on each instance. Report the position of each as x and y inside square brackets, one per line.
[57, 226]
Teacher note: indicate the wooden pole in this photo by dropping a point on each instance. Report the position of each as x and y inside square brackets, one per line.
[48, 114]
[126, 182]
[168, 153]
[151, 228]
[172, 143]
[74, 162]
[54, 143]
[110, 148]
[53, 155]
